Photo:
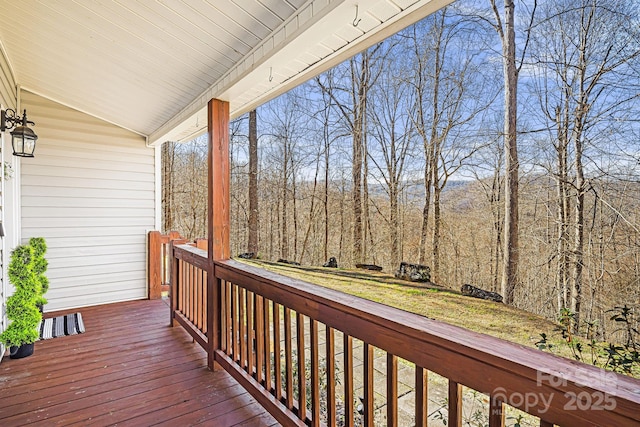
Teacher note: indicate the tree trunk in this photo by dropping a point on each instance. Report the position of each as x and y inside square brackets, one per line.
[424, 230]
[326, 201]
[562, 208]
[342, 221]
[311, 212]
[252, 244]
[511, 246]
[168, 161]
[368, 243]
[496, 209]
[295, 209]
[359, 80]
[356, 176]
[284, 242]
[393, 222]
[435, 242]
[578, 249]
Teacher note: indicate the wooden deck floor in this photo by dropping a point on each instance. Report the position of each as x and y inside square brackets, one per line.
[129, 368]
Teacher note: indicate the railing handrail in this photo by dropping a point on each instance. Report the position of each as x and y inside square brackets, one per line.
[478, 361]
[193, 255]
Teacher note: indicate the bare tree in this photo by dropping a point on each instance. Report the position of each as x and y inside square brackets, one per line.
[492, 189]
[351, 101]
[393, 132]
[589, 49]
[168, 163]
[254, 232]
[505, 26]
[446, 81]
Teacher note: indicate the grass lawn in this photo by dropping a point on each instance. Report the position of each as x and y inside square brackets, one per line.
[496, 319]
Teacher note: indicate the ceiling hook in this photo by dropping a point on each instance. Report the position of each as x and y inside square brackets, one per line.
[270, 74]
[356, 21]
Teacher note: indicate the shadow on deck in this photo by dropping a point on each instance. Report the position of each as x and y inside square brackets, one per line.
[129, 368]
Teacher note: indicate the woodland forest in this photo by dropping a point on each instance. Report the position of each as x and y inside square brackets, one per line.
[499, 146]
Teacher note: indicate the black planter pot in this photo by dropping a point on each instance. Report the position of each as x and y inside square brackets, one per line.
[25, 350]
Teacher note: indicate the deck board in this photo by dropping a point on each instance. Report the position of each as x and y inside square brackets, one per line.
[129, 368]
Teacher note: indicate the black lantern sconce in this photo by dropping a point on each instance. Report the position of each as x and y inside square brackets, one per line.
[23, 139]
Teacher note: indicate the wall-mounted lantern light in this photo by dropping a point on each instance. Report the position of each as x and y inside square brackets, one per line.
[23, 139]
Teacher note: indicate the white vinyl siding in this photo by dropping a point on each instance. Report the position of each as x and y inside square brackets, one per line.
[90, 192]
[7, 100]
[7, 84]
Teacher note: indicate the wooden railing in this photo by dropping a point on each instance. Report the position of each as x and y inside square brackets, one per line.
[159, 258]
[189, 270]
[310, 355]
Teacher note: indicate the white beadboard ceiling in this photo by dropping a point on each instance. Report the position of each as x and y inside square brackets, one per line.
[151, 66]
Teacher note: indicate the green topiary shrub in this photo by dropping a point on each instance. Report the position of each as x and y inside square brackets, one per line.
[22, 305]
[40, 265]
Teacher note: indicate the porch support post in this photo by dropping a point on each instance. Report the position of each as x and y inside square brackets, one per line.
[218, 216]
[154, 265]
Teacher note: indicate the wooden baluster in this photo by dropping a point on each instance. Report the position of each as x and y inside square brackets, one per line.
[348, 380]
[187, 290]
[186, 267]
[331, 375]
[203, 300]
[164, 261]
[212, 312]
[184, 286]
[181, 293]
[392, 390]
[302, 386]
[243, 327]
[199, 302]
[368, 384]
[260, 337]
[496, 412]
[194, 297]
[277, 365]
[212, 315]
[288, 360]
[267, 345]
[164, 256]
[455, 404]
[179, 285]
[194, 290]
[228, 324]
[187, 293]
[187, 287]
[192, 280]
[315, 373]
[174, 289]
[236, 323]
[422, 395]
[168, 272]
[250, 333]
[216, 298]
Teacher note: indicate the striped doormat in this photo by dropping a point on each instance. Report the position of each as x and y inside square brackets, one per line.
[54, 327]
